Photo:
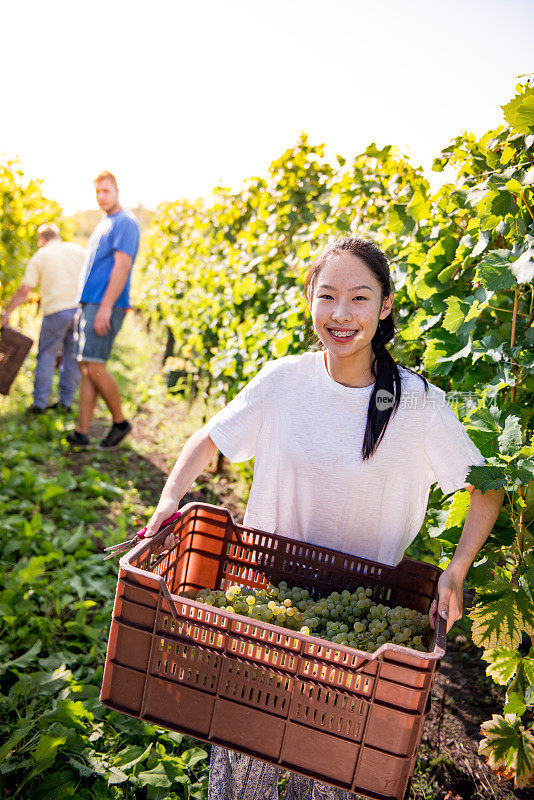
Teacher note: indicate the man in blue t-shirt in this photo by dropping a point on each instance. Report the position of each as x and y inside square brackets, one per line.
[104, 298]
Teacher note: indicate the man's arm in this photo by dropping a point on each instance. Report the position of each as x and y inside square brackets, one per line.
[20, 296]
[117, 281]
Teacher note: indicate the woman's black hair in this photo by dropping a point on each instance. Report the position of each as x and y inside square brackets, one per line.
[384, 367]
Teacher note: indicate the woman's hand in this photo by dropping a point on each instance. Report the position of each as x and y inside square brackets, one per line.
[165, 509]
[450, 599]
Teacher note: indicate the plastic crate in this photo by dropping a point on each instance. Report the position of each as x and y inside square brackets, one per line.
[342, 716]
[14, 347]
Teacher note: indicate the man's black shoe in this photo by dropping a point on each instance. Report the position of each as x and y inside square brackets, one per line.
[115, 435]
[36, 410]
[60, 407]
[78, 439]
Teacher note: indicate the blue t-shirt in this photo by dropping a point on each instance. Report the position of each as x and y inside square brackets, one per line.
[118, 231]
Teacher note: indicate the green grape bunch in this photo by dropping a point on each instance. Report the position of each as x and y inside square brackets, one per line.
[351, 619]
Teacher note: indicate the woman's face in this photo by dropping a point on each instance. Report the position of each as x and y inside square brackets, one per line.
[346, 305]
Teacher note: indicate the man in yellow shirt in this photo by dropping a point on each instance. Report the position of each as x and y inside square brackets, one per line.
[56, 269]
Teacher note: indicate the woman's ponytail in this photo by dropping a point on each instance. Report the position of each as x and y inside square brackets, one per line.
[386, 394]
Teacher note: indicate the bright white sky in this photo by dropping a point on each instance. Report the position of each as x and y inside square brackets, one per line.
[176, 97]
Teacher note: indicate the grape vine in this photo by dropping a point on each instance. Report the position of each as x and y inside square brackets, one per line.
[23, 208]
[226, 274]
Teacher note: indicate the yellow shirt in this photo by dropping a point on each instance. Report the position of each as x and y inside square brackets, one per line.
[56, 269]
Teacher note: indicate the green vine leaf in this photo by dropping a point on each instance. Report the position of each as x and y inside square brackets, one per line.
[508, 668]
[516, 228]
[494, 271]
[419, 206]
[510, 439]
[500, 614]
[523, 267]
[484, 429]
[502, 664]
[460, 312]
[484, 239]
[501, 203]
[418, 322]
[458, 509]
[509, 749]
[520, 473]
[515, 705]
[456, 312]
[459, 354]
[523, 682]
[487, 477]
[519, 112]
[477, 193]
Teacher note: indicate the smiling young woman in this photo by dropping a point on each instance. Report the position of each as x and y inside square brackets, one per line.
[347, 444]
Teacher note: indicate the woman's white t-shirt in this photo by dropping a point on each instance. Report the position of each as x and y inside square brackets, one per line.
[310, 482]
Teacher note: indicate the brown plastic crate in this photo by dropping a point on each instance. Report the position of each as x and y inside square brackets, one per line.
[340, 715]
[14, 347]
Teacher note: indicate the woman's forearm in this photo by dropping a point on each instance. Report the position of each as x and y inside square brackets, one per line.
[481, 516]
[195, 456]
[197, 453]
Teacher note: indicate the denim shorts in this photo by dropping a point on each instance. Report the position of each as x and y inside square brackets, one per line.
[90, 346]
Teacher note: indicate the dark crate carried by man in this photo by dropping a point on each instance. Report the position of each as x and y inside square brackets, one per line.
[55, 268]
[104, 299]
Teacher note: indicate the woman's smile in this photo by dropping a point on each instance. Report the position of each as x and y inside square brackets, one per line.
[342, 334]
